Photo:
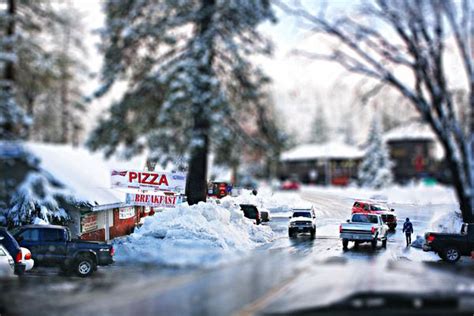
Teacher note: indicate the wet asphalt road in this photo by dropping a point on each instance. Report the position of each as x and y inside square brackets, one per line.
[285, 275]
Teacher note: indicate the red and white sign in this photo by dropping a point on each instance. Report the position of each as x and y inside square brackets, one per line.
[126, 212]
[89, 223]
[168, 201]
[148, 180]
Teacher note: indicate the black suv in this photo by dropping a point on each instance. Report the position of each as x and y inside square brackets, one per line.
[251, 212]
[51, 245]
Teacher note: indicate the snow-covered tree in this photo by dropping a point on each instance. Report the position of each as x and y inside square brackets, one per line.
[186, 63]
[375, 171]
[319, 127]
[387, 40]
[33, 196]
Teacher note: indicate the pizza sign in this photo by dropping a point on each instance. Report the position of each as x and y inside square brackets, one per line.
[147, 180]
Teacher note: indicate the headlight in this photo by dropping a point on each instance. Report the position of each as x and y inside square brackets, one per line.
[293, 224]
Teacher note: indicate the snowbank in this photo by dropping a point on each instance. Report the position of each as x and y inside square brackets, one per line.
[449, 221]
[202, 234]
[416, 193]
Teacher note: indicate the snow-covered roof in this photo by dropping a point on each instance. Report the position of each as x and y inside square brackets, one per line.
[410, 131]
[331, 150]
[85, 174]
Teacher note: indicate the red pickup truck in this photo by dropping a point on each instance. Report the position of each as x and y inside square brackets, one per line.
[388, 215]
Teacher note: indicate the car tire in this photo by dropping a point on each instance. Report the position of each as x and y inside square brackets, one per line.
[384, 243]
[374, 243]
[345, 243]
[356, 245]
[313, 233]
[451, 255]
[84, 266]
[290, 233]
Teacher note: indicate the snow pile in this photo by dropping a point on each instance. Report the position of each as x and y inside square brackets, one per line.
[202, 234]
[449, 221]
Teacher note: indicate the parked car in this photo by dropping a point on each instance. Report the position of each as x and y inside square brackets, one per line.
[364, 227]
[302, 221]
[388, 215]
[27, 259]
[450, 247]
[7, 264]
[251, 212]
[14, 249]
[51, 245]
[290, 185]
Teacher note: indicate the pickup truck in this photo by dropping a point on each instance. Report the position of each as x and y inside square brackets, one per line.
[364, 227]
[302, 221]
[51, 245]
[450, 247]
[388, 215]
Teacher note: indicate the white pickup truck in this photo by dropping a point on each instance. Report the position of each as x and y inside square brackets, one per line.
[362, 228]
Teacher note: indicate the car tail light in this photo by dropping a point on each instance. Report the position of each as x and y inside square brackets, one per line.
[430, 238]
[112, 251]
[18, 257]
[28, 256]
[373, 229]
[340, 228]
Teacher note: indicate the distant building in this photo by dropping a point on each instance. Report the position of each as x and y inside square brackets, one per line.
[415, 152]
[333, 163]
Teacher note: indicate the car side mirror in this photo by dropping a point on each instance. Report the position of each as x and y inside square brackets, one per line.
[289, 217]
[348, 221]
[392, 210]
[314, 216]
[19, 238]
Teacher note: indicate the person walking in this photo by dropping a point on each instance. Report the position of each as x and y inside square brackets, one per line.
[408, 230]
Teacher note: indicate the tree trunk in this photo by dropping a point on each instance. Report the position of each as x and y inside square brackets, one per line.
[65, 114]
[196, 185]
[10, 67]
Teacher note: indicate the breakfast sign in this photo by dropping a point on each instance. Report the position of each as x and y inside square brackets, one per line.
[166, 201]
[148, 180]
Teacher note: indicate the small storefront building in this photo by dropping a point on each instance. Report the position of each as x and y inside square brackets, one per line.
[332, 163]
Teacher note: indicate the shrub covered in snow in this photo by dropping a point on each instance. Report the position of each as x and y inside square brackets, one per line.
[202, 234]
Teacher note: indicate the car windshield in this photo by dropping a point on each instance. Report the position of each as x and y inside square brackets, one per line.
[250, 211]
[376, 207]
[302, 214]
[202, 156]
[364, 218]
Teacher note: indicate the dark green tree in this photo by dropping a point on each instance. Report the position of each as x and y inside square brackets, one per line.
[184, 62]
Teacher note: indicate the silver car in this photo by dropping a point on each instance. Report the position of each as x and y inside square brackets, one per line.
[7, 265]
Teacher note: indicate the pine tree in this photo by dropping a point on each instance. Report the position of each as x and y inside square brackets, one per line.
[375, 170]
[183, 61]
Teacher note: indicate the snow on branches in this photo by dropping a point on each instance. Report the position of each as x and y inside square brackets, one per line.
[375, 171]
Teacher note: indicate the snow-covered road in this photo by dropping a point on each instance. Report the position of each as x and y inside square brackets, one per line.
[285, 273]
